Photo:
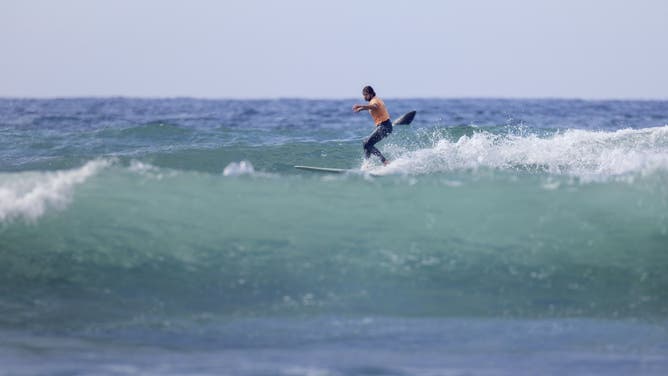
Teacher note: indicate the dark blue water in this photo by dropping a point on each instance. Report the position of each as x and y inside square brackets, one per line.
[175, 236]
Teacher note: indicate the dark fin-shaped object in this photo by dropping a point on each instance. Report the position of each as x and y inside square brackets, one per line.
[405, 119]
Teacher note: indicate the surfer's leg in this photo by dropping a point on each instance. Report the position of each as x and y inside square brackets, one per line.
[369, 143]
[378, 134]
[377, 153]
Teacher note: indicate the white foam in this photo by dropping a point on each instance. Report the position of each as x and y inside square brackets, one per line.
[28, 195]
[581, 153]
[149, 171]
[236, 169]
[141, 167]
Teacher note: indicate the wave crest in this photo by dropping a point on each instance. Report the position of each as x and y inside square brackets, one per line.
[28, 195]
[581, 153]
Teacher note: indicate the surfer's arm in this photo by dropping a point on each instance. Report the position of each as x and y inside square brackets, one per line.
[362, 107]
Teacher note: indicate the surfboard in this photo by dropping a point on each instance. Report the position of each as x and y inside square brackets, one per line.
[329, 170]
[324, 169]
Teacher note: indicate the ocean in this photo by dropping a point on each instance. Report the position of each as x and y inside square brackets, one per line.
[175, 237]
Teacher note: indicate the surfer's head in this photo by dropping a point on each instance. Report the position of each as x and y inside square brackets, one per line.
[368, 93]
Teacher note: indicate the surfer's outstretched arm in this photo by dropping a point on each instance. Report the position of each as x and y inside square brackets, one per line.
[362, 107]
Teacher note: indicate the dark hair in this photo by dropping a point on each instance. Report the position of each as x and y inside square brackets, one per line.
[368, 90]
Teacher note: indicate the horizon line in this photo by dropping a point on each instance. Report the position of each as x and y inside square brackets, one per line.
[305, 98]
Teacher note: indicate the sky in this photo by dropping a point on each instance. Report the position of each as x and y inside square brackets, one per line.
[588, 49]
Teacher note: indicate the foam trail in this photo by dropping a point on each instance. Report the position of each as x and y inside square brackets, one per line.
[581, 153]
[28, 195]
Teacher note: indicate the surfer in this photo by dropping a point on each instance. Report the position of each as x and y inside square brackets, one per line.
[381, 117]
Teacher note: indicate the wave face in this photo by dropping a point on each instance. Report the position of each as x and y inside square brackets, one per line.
[112, 211]
[138, 239]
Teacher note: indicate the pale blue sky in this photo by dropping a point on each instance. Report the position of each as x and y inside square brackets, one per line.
[588, 49]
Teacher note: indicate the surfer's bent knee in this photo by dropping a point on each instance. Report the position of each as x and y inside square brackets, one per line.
[366, 144]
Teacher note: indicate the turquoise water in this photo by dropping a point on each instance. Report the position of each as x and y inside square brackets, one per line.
[175, 237]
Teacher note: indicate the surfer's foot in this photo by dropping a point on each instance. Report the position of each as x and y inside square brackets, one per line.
[386, 162]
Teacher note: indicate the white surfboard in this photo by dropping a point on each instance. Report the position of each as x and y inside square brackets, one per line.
[329, 170]
[324, 169]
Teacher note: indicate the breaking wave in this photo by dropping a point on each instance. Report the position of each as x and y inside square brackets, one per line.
[28, 195]
[580, 153]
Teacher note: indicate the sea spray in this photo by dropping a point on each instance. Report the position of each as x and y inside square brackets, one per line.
[584, 154]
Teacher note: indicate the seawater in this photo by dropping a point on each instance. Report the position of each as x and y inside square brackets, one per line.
[174, 236]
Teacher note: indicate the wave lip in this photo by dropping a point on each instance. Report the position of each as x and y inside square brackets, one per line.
[28, 195]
